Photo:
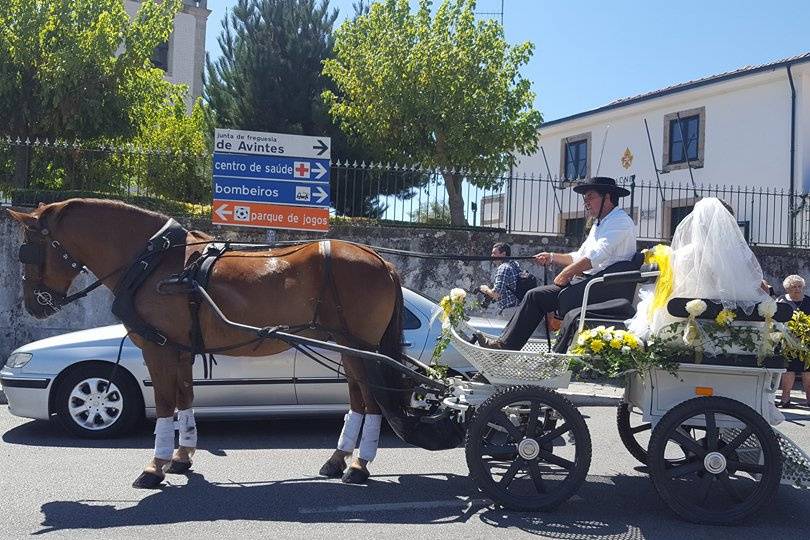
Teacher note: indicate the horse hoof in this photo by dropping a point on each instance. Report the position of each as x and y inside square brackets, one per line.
[147, 480]
[331, 469]
[355, 476]
[178, 467]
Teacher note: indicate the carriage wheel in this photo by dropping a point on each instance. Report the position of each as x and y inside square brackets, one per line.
[528, 448]
[632, 436]
[727, 475]
[635, 435]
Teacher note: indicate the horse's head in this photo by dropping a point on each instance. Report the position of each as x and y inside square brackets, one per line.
[48, 269]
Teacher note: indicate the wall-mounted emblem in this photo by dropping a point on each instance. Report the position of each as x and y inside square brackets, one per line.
[627, 158]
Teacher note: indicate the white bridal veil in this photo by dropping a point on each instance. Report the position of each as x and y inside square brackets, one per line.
[710, 259]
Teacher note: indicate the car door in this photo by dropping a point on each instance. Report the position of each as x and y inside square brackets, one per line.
[241, 381]
[316, 384]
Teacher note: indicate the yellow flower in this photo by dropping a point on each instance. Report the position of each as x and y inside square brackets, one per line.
[630, 340]
[597, 346]
[444, 303]
[725, 317]
[616, 343]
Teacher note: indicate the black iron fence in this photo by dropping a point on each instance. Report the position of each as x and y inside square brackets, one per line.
[180, 183]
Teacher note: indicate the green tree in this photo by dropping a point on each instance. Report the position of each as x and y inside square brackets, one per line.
[444, 91]
[79, 69]
[268, 77]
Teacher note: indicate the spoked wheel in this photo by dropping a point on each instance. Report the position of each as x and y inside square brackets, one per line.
[724, 476]
[634, 433]
[528, 448]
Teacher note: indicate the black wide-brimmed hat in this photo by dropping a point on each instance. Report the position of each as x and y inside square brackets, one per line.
[601, 184]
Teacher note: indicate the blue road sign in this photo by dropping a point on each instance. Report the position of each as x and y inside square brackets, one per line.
[271, 167]
[300, 193]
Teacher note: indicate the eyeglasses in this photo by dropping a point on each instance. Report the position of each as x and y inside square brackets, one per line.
[589, 196]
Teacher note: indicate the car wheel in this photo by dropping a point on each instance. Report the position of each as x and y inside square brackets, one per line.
[86, 407]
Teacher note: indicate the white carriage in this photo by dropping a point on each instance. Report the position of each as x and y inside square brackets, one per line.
[712, 454]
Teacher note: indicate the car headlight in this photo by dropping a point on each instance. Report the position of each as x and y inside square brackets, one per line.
[18, 359]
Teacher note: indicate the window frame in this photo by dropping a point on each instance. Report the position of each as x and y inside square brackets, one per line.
[565, 142]
[671, 120]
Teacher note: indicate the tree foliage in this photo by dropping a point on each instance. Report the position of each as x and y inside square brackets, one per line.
[269, 75]
[61, 73]
[444, 91]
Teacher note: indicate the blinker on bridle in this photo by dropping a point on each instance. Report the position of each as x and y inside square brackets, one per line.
[32, 254]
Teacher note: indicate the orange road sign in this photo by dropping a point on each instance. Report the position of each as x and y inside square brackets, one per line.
[272, 216]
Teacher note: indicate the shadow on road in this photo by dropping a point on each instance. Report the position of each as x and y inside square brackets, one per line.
[617, 507]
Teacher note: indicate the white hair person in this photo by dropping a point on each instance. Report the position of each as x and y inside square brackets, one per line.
[793, 281]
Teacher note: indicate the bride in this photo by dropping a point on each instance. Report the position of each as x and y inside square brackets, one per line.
[709, 258]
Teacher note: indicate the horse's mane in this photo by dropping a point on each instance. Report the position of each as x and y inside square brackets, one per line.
[58, 210]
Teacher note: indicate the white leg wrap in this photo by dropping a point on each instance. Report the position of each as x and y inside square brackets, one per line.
[352, 423]
[164, 438]
[371, 437]
[187, 428]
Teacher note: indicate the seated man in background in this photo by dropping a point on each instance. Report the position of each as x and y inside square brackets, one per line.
[504, 284]
[612, 238]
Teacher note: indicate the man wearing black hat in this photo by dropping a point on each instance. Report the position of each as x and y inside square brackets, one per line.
[611, 239]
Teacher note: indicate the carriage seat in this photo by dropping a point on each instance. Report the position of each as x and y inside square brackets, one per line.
[677, 308]
[570, 298]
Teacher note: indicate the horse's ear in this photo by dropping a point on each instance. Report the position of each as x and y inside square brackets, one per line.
[29, 220]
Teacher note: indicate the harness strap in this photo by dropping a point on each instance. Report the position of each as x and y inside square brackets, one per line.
[123, 305]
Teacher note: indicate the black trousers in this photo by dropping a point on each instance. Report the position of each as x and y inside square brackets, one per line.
[534, 306]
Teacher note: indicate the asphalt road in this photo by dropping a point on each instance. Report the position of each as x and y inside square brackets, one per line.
[258, 479]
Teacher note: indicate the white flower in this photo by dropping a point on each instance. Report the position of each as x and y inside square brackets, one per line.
[458, 295]
[581, 341]
[445, 323]
[695, 307]
[608, 337]
[767, 308]
[776, 336]
[625, 349]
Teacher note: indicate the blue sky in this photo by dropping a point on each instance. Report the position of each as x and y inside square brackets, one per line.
[588, 53]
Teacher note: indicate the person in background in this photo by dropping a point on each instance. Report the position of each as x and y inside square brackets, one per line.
[794, 296]
[505, 280]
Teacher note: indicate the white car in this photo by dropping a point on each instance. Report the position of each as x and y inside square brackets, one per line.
[65, 376]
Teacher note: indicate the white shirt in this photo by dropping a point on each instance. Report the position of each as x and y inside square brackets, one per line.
[613, 240]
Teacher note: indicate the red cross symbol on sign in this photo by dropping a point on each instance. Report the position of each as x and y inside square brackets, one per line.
[301, 169]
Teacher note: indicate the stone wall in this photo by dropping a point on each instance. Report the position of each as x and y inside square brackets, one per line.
[431, 277]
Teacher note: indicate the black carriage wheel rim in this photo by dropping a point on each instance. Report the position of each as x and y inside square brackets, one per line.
[709, 472]
[528, 451]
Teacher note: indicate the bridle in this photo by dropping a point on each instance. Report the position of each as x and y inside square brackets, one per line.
[33, 254]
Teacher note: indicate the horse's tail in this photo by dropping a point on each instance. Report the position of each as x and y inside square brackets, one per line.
[391, 342]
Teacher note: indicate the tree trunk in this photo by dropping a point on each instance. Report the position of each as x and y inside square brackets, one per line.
[22, 165]
[452, 182]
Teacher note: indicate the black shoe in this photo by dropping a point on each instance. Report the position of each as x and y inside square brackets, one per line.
[485, 342]
[783, 404]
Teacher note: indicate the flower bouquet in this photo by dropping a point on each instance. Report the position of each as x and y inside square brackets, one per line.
[610, 351]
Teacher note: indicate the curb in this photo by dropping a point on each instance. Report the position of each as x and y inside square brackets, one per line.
[593, 400]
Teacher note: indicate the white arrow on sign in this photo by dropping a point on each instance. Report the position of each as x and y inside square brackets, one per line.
[321, 194]
[222, 212]
[320, 169]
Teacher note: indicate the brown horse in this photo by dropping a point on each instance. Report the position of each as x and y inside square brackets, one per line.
[348, 288]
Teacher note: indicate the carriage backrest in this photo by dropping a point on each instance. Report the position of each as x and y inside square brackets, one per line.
[677, 308]
[571, 297]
